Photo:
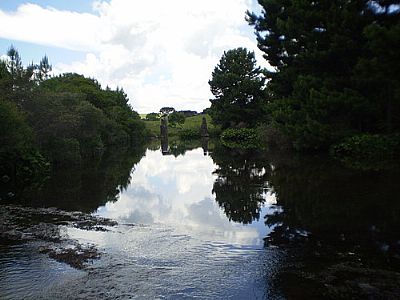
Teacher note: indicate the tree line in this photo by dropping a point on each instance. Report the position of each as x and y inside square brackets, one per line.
[59, 120]
[334, 77]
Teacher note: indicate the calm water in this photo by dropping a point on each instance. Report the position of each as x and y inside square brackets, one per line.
[207, 222]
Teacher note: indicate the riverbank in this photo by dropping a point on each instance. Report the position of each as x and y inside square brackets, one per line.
[45, 227]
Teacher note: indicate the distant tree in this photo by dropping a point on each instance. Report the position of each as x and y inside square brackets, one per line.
[189, 113]
[238, 87]
[20, 82]
[44, 69]
[14, 63]
[176, 118]
[153, 117]
[206, 111]
[167, 110]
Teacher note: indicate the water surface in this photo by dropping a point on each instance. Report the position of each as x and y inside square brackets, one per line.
[203, 221]
[174, 240]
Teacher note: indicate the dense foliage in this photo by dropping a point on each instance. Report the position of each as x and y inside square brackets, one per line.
[176, 118]
[152, 117]
[367, 151]
[337, 68]
[244, 138]
[63, 119]
[237, 86]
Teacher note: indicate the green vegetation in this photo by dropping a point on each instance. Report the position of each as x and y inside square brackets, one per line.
[335, 75]
[238, 90]
[369, 151]
[176, 118]
[244, 138]
[152, 117]
[62, 120]
[189, 130]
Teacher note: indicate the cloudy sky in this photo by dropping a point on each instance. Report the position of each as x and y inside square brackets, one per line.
[161, 52]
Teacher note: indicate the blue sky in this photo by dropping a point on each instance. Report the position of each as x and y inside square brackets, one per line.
[34, 52]
[74, 5]
[161, 52]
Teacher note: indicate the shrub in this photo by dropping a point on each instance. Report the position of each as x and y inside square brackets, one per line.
[369, 152]
[245, 138]
[189, 134]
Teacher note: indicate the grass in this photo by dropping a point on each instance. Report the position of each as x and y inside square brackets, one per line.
[191, 123]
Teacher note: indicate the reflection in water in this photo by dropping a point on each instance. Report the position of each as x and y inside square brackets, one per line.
[88, 186]
[174, 241]
[333, 203]
[193, 224]
[241, 186]
[164, 145]
[204, 145]
[178, 192]
[342, 225]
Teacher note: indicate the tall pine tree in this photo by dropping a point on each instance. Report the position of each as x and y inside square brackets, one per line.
[238, 87]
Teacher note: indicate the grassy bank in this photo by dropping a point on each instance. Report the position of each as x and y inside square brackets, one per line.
[191, 124]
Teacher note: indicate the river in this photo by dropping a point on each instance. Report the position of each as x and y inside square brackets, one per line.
[202, 221]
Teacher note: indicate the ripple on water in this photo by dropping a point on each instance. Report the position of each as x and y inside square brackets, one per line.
[150, 263]
[27, 274]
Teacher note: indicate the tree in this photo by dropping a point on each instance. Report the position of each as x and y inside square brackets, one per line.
[44, 69]
[176, 118]
[153, 117]
[238, 87]
[332, 61]
[15, 63]
[167, 110]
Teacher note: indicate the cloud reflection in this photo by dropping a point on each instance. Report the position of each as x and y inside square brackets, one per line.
[177, 193]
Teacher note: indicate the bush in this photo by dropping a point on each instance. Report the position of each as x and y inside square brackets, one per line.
[273, 137]
[369, 152]
[176, 118]
[189, 134]
[245, 138]
[153, 117]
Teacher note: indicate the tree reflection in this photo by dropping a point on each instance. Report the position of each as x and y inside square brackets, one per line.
[340, 226]
[177, 147]
[335, 204]
[88, 186]
[241, 186]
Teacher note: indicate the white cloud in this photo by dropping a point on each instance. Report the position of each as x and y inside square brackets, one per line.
[161, 52]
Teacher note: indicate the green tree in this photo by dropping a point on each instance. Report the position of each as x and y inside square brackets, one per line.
[176, 118]
[336, 67]
[15, 63]
[44, 69]
[153, 117]
[15, 134]
[238, 87]
[167, 110]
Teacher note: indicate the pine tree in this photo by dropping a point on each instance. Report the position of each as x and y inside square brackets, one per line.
[238, 87]
[324, 53]
[44, 69]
